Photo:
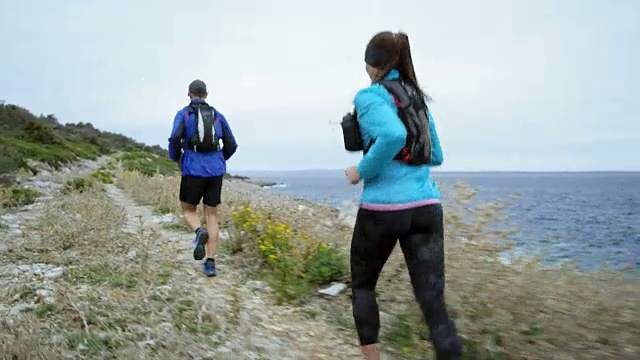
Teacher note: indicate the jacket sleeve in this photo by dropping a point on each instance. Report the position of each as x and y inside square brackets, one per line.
[381, 122]
[176, 137]
[229, 144]
[437, 157]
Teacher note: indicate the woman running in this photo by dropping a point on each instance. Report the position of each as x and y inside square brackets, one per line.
[400, 200]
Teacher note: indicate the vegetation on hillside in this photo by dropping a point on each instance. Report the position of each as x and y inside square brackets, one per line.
[503, 312]
[25, 137]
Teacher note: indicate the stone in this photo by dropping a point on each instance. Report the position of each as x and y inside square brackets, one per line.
[24, 267]
[8, 179]
[387, 320]
[17, 309]
[146, 343]
[334, 290]
[166, 218]
[45, 296]
[255, 285]
[54, 273]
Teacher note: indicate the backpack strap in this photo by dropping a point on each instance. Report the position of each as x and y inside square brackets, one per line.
[190, 109]
[400, 94]
[405, 100]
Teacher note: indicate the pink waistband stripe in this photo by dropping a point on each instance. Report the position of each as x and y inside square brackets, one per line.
[396, 207]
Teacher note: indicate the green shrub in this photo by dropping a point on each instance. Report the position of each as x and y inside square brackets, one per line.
[13, 196]
[41, 134]
[326, 264]
[292, 261]
[148, 163]
[79, 184]
[103, 176]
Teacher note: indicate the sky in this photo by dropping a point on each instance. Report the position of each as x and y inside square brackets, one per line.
[519, 85]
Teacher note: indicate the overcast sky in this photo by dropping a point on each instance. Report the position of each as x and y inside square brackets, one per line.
[518, 85]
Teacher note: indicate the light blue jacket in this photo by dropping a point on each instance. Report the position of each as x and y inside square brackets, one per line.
[387, 181]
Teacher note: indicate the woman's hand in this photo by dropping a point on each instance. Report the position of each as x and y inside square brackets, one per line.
[352, 174]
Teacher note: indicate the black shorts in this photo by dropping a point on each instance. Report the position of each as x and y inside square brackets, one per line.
[196, 188]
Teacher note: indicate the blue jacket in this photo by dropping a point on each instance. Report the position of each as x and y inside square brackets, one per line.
[200, 164]
[387, 181]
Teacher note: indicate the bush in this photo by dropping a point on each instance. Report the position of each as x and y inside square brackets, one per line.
[41, 134]
[292, 260]
[103, 176]
[13, 196]
[147, 163]
[79, 184]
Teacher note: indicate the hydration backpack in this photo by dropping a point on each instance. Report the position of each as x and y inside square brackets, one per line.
[412, 110]
[205, 138]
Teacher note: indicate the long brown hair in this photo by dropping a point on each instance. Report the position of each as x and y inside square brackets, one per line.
[387, 51]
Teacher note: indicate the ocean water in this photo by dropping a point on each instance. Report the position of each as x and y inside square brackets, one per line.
[592, 218]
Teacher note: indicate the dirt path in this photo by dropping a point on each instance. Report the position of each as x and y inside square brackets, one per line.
[248, 323]
[253, 327]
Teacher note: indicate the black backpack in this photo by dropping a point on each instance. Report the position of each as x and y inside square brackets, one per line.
[205, 138]
[412, 110]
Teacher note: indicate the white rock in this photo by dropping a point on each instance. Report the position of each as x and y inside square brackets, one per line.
[20, 308]
[45, 295]
[333, 290]
[256, 285]
[146, 343]
[167, 218]
[54, 273]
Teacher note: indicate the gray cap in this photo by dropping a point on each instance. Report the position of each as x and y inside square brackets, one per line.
[198, 87]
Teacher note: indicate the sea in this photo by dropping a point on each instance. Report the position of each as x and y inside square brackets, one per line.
[591, 219]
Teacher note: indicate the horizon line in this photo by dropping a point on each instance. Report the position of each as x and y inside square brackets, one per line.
[457, 171]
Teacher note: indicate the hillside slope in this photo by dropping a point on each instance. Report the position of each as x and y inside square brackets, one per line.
[26, 138]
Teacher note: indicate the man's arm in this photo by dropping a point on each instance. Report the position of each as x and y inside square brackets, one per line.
[229, 144]
[175, 140]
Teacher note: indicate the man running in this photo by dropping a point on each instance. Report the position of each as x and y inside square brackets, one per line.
[201, 142]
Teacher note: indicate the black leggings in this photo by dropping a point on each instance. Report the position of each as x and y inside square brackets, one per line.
[421, 235]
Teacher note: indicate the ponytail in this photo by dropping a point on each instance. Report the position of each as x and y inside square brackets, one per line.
[405, 63]
[387, 51]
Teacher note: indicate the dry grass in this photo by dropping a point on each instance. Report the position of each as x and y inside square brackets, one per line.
[122, 295]
[159, 191]
[503, 312]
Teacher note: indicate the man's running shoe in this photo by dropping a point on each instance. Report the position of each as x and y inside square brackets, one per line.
[209, 267]
[202, 237]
